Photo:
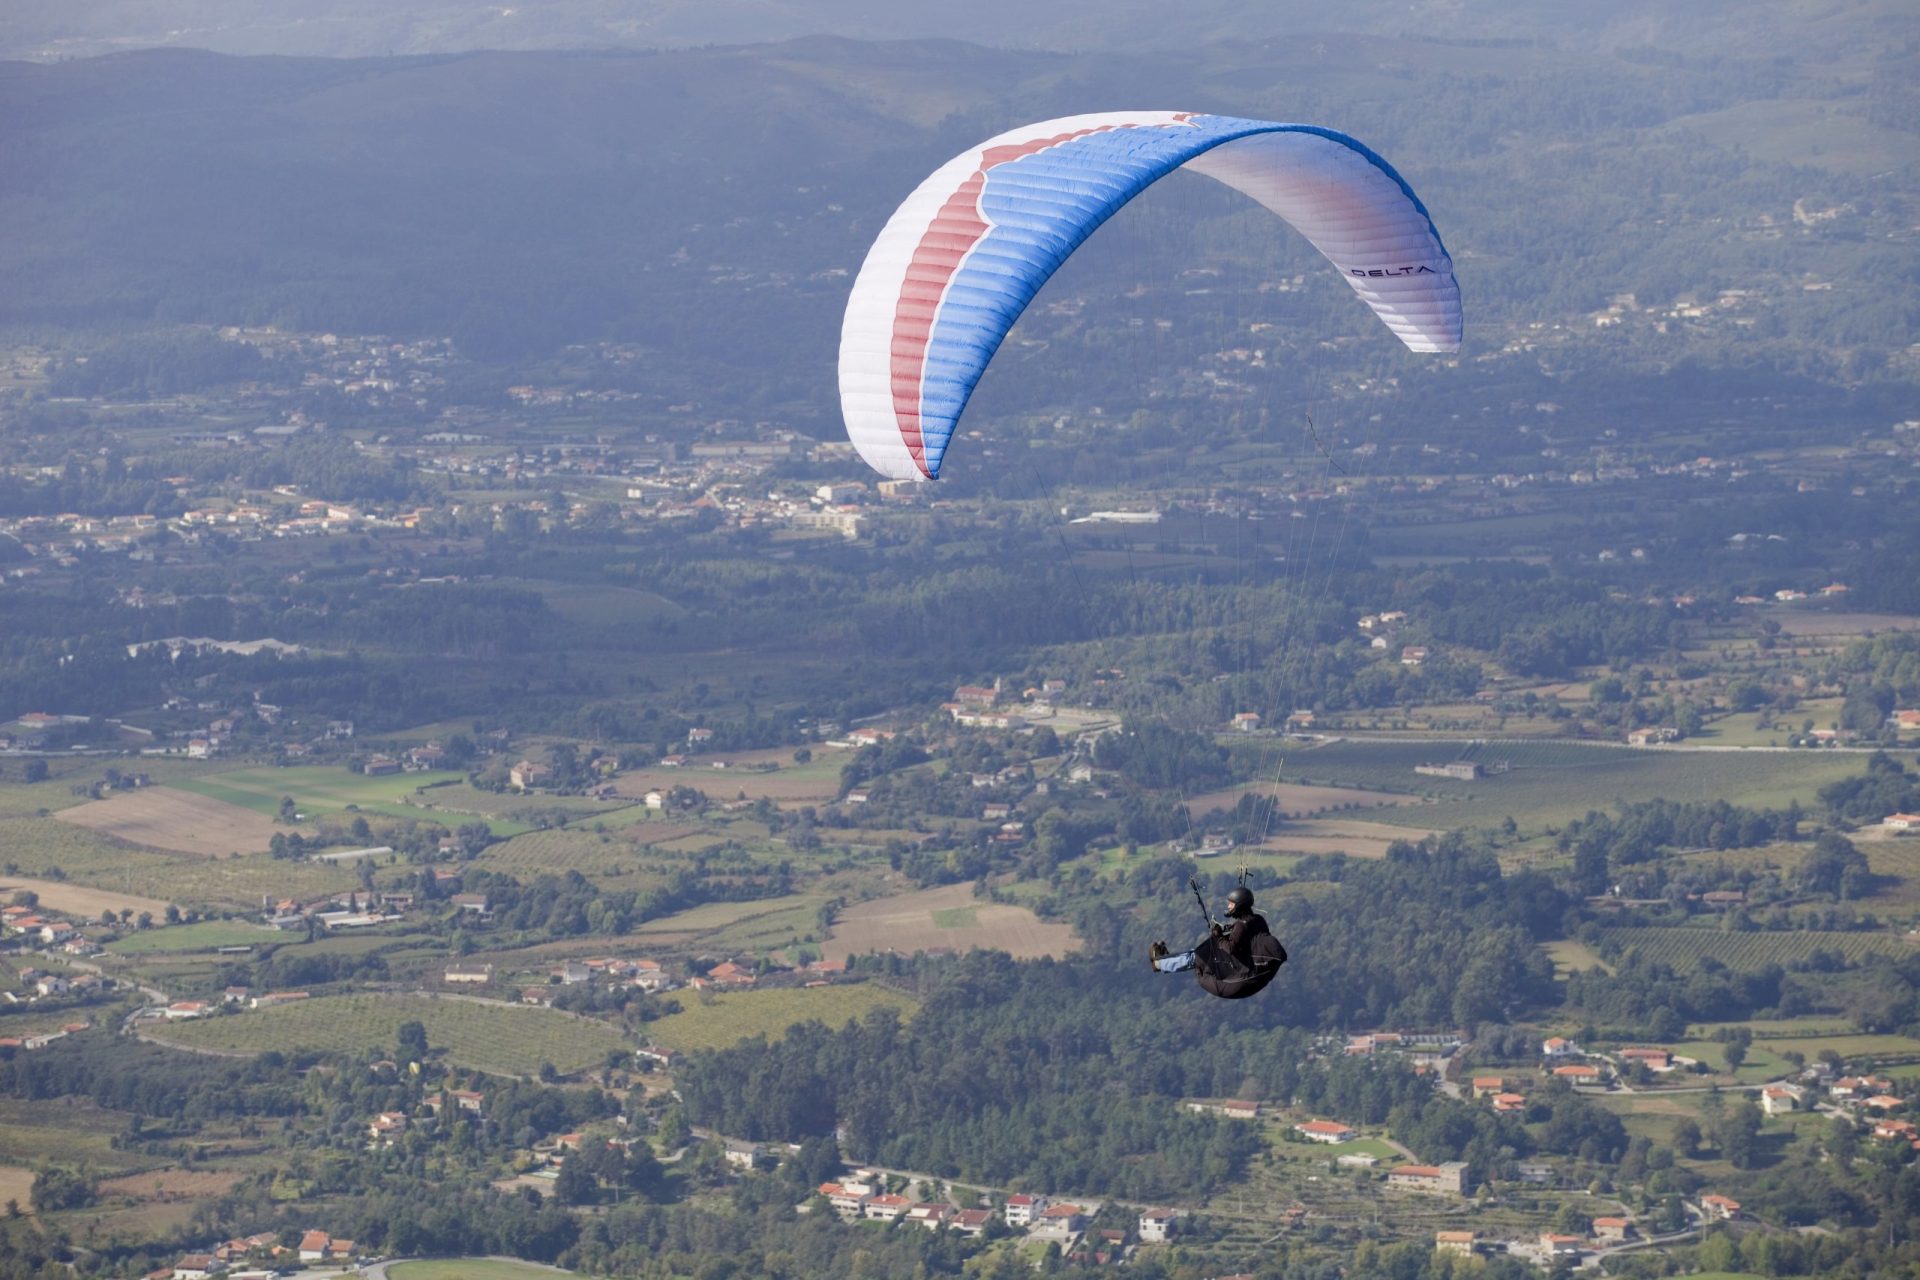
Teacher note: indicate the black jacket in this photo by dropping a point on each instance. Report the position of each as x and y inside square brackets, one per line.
[1239, 936]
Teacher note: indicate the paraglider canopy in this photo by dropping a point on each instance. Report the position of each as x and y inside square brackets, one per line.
[961, 258]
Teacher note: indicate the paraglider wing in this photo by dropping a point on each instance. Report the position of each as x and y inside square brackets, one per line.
[961, 258]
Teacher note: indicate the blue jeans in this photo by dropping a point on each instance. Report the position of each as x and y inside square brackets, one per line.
[1177, 963]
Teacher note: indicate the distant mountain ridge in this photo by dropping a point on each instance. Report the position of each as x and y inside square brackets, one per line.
[376, 28]
[710, 204]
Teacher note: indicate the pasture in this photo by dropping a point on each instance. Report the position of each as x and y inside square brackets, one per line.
[500, 1038]
[177, 820]
[908, 922]
[714, 1021]
[1552, 782]
[1680, 946]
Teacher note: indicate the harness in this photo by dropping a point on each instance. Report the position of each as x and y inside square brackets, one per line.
[1219, 971]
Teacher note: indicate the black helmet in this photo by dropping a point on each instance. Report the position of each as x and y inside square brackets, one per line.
[1239, 900]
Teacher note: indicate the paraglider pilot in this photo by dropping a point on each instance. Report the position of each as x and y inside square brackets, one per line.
[1237, 959]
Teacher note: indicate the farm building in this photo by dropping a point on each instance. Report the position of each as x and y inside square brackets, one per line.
[1443, 1179]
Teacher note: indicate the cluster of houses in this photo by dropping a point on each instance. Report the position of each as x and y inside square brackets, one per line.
[258, 1257]
[1429, 1050]
[40, 1039]
[1871, 1100]
[231, 998]
[861, 1198]
[608, 971]
[1551, 1248]
[38, 927]
[622, 972]
[387, 1127]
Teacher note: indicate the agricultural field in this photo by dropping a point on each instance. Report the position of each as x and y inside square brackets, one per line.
[1293, 800]
[1572, 956]
[78, 899]
[509, 812]
[712, 918]
[1840, 627]
[618, 609]
[1776, 1028]
[610, 859]
[1352, 836]
[1896, 861]
[322, 791]
[16, 1185]
[908, 923]
[1379, 1148]
[205, 936]
[472, 1269]
[788, 784]
[72, 1126]
[716, 1020]
[144, 1204]
[177, 820]
[1763, 1061]
[1853, 1048]
[125, 871]
[1552, 782]
[1652, 1115]
[501, 1038]
[1680, 946]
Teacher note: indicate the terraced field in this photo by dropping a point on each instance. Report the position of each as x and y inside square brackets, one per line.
[507, 1039]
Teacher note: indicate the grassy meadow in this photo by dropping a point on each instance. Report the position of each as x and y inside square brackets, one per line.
[714, 1021]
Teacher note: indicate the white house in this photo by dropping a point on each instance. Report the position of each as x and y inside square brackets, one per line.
[1022, 1210]
[1324, 1131]
[1157, 1225]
